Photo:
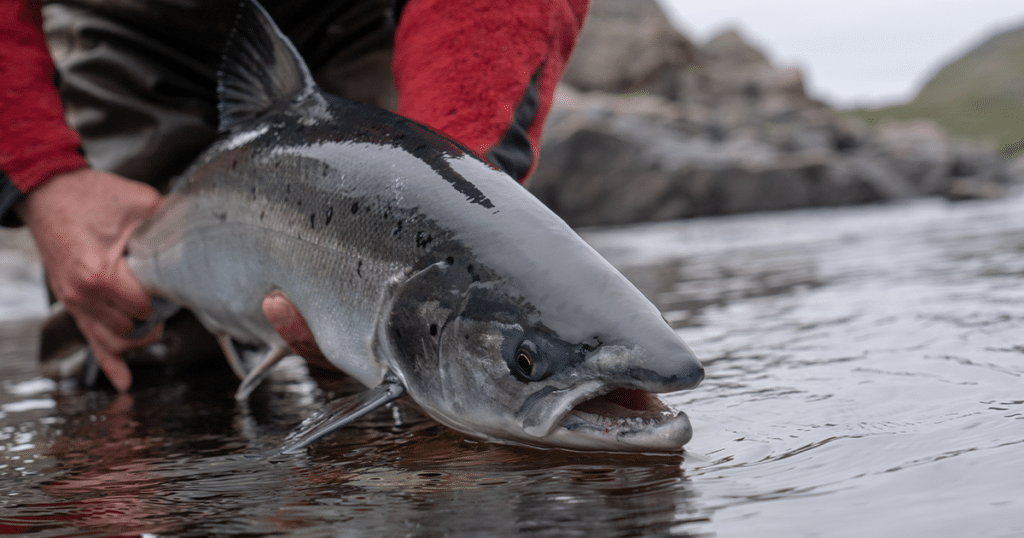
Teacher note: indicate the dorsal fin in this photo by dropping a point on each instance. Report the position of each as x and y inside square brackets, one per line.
[260, 68]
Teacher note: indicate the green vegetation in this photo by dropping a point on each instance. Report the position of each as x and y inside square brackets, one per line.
[979, 96]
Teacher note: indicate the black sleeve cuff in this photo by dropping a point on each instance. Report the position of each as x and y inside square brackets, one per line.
[9, 197]
[513, 153]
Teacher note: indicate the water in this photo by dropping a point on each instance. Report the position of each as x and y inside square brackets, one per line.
[865, 377]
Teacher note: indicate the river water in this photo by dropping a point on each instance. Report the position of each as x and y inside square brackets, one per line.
[865, 377]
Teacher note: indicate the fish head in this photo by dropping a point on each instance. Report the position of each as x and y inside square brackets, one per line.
[479, 355]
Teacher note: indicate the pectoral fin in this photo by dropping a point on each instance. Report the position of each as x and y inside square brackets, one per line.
[342, 412]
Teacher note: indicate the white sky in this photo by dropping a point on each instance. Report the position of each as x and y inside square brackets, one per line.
[860, 52]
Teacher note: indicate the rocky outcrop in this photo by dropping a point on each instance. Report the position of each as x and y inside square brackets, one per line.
[717, 130]
[1016, 169]
[629, 47]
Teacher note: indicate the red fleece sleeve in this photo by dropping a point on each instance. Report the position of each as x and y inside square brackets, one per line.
[35, 143]
[463, 67]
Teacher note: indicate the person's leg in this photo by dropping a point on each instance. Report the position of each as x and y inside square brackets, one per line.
[139, 82]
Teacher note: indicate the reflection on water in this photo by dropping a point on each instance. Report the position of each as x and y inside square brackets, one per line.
[865, 376]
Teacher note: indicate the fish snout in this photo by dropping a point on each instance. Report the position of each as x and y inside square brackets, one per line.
[671, 373]
[653, 370]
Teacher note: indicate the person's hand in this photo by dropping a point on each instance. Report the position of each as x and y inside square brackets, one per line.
[81, 222]
[292, 327]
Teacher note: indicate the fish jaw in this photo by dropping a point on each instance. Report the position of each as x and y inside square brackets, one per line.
[603, 423]
[597, 416]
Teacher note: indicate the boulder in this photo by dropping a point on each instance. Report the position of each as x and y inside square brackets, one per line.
[649, 126]
[629, 46]
[619, 164]
[1016, 170]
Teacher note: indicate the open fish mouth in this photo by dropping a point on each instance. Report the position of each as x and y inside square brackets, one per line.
[622, 420]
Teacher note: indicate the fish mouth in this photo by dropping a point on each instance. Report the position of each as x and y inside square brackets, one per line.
[621, 419]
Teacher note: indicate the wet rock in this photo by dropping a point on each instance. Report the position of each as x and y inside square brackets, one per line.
[719, 129]
[1016, 170]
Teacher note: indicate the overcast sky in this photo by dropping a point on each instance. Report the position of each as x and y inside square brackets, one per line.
[872, 52]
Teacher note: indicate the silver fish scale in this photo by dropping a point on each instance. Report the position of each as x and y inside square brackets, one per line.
[331, 245]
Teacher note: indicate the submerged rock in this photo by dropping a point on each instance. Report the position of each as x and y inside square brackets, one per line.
[719, 129]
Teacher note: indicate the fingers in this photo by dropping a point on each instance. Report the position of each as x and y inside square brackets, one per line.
[128, 295]
[112, 297]
[108, 347]
[114, 368]
[292, 327]
[283, 315]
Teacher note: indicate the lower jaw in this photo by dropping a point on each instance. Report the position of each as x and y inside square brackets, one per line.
[655, 434]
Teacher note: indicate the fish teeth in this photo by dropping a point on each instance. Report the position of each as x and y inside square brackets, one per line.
[618, 423]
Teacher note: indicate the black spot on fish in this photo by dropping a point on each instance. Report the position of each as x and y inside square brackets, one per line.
[222, 217]
[262, 214]
[234, 164]
[312, 220]
[433, 329]
[288, 188]
[330, 214]
[398, 228]
[299, 202]
[359, 269]
[355, 207]
[450, 260]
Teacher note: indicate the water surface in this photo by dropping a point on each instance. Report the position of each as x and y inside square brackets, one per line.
[865, 377]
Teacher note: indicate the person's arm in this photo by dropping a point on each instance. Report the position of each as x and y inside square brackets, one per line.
[35, 143]
[80, 218]
[484, 73]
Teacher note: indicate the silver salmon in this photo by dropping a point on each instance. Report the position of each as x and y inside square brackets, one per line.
[419, 268]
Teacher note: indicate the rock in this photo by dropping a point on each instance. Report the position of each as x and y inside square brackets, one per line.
[919, 151]
[629, 46]
[609, 165]
[720, 130]
[729, 49]
[1016, 170]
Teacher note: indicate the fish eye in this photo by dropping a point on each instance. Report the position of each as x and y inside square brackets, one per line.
[524, 360]
[526, 364]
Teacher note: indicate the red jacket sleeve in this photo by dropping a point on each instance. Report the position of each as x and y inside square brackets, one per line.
[484, 73]
[35, 143]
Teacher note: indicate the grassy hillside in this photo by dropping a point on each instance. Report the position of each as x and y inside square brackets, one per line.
[979, 96]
